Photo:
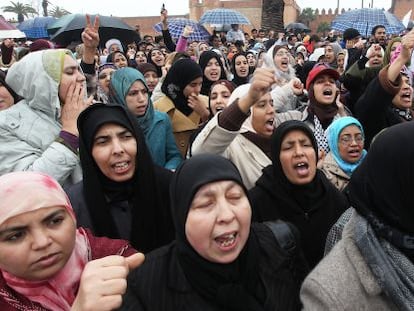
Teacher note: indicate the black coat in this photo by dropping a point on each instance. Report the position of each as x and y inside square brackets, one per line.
[314, 223]
[160, 283]
[374, 107]
[121, 211]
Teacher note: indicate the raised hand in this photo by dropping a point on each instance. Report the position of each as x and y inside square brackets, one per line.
[73, 105]
[90, 35]
[198, 105]
[103, 282]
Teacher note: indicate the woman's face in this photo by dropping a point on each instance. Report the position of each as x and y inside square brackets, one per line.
[251, 60]
[263, 116]
[324, 89]
[351, 144]
[395, 45]
[158, 58]
[120, 60]
[114, 151]
[137, 98]
[260, 60]
[104, 79]
[71, 75]
[218, 222]
[219, 98]
[241, 66]
[151, 78]
[340, 60]
[36, 245]
[329, 54]
[403, 99]
[140, 57]
[194, 87]
[202, 48]
[6, 99]
[375, 59]
[213, 70]
[298, 158]
[281, 59]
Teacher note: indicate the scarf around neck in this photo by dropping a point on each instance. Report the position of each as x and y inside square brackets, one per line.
[41, 191]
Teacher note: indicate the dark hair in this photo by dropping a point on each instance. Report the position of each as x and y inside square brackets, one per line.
[374, 29]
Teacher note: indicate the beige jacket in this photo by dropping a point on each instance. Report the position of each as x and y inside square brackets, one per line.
[334, 173]
[183, 126]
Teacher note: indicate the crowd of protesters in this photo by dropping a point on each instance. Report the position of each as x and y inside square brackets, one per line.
[255, 171]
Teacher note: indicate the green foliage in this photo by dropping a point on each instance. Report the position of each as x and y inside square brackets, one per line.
[22, 10]
[58, 12]
[306, 16]
[323, 27]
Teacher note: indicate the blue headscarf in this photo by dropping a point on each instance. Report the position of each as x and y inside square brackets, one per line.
[121, 81]
[333, 132]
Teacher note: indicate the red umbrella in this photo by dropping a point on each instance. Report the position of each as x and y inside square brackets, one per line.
[7, 30]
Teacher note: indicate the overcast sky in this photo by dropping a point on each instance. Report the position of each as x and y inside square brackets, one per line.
[125, 8]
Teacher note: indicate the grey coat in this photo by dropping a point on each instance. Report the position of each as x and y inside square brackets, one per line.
[343, 281]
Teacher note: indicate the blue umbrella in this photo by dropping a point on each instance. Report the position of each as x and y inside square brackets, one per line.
[223, 16]
[36, 28]
[365, 19]
[176, 26]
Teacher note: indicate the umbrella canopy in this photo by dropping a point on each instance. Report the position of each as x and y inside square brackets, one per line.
[176, 26]
[365, 19]
[7, 30]
[36, 28]
[72, 25]
[223, 16]
[297, 27]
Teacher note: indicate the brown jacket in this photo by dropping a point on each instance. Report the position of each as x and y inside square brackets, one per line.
[183, 126]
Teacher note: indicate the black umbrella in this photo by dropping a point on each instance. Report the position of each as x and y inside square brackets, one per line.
[297, 27]
[71, 27]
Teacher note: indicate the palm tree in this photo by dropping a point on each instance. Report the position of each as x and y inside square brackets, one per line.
[22, 10]
[272, 15]
[58, 12]
[323, 28]
[307, 15]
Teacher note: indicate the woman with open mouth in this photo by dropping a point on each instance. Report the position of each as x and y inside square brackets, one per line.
[129, 89]
[122, 194]
[346, 144]
[212, 69]
[46, 263]
[294, 190]
[240, 69]
[219, 260]
[241, 132]
[388, 99]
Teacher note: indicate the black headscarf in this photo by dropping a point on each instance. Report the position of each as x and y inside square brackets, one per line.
[181, 73]
[150, 61]
[6, 53]
[142, 193]
[237, 79]
[205, 57]
[291, 200]
[233, 286]
[3, 83]
[381, 188]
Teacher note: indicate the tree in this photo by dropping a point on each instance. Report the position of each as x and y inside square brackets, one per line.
[307, 15]
[323, 28]
[58, 12]
[22, 10]
[272, 15]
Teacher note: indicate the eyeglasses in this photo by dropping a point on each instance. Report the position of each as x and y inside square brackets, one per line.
[280, 54]
[347, 140]
[105, 75]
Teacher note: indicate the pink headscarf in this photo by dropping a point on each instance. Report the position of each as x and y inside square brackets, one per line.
[22, 192]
